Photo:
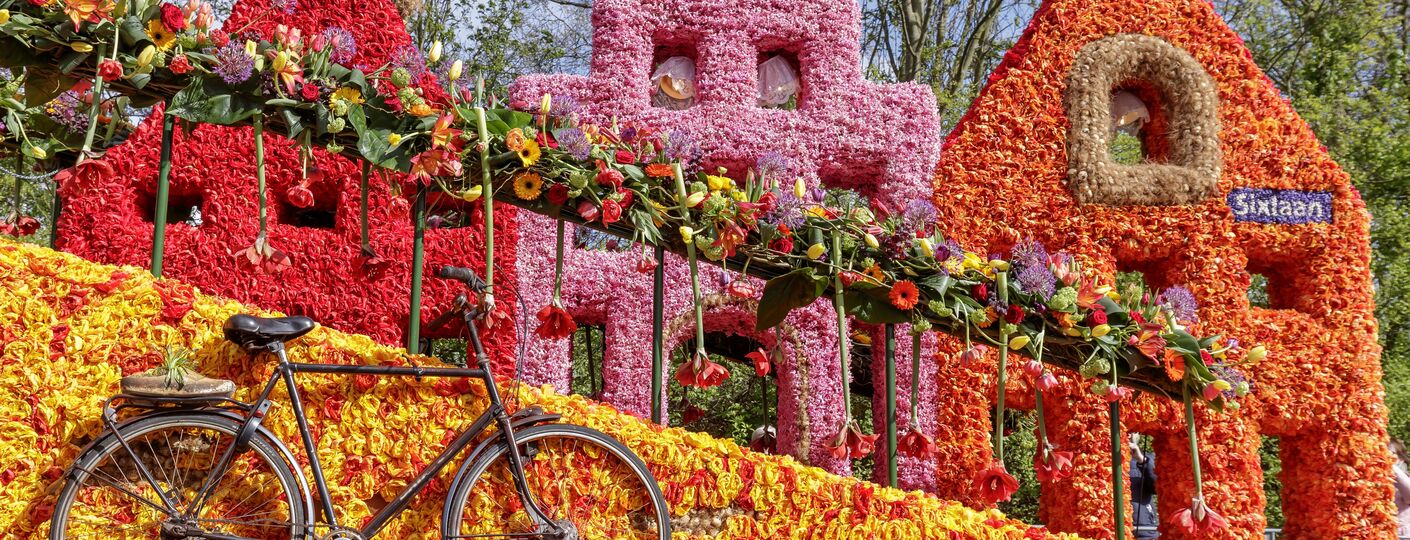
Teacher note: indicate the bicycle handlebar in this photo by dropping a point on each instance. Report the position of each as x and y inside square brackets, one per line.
[463, 275]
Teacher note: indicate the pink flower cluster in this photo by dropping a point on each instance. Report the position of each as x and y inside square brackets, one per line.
[881, 140]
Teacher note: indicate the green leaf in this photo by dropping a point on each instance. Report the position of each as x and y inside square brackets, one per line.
[936, 285]
[210, 101]
[1115, 314]
[787, 292]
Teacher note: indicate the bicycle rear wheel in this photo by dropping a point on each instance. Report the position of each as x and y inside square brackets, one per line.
[108, 496]
[581, 478]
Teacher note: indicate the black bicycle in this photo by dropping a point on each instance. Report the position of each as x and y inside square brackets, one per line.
[204, 466]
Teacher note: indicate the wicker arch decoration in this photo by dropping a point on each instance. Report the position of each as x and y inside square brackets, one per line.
[1186, 168]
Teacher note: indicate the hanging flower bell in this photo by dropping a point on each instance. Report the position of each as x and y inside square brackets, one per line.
[701, 372]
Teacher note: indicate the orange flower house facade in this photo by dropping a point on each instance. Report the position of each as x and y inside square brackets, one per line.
[1243, 189]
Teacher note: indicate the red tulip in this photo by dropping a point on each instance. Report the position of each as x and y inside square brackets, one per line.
[701, 372]
[300, 196]
[555, 323]
[625, 157]
[588, 211]
[611, 211]
[995, 484]
[610, 177]
[1117, 393]
[1033, 368]
[1199, 519]
[110, 70]
[1057, 466]
[761, 362]
[557, 194]
[915, 444]
[647, 264]
[1047, 382]
[973, 354]
[180, 65]
[741, 288]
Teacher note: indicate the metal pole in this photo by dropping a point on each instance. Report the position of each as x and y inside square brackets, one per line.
[418, 256]
[658, 338]
[1117, 495]
[163, 196]
[891, 404]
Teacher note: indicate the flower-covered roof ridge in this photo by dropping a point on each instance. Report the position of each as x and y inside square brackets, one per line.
[1281, 208]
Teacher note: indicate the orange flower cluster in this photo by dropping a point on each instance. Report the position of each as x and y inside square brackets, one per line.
[69, 329]
[1003, 174]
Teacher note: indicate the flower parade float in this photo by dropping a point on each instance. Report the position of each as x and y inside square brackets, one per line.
[73, 328]
[885, 264]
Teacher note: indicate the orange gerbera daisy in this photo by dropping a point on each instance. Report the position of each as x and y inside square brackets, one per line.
[904, 294]
[660, 170]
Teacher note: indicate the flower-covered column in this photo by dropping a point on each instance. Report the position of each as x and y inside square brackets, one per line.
[911, 472]
[1077, 422]
[962, 416]
[1340, 462]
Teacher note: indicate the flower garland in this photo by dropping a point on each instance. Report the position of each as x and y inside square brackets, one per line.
[76, 327]
[1318, 389]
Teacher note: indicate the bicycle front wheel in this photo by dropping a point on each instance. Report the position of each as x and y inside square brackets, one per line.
[582, 479]
[108, 494]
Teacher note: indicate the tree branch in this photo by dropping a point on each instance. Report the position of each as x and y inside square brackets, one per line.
[585, 4]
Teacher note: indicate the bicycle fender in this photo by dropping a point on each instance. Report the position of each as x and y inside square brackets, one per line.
[493, 440]
[233, 418]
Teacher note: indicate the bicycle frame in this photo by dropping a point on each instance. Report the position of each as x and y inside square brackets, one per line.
[285, 372]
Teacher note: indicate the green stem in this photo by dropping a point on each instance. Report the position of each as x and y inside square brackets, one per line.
[915, 378]
[259, 171]
[488, 195]
[558, 265]
[96, 105]
[163, 195]
[1038, 400]
[891, 404]
[658, 338]
[843, 341]
[681, 195]
[1194, 442]
[1003, 374]
[1118, 498]
[418, 257]
[362, 207]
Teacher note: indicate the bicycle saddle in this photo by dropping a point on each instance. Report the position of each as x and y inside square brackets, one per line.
[257, 333]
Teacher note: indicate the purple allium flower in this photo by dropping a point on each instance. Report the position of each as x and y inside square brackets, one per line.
[681, 146]
[70, 112]
[1032, 274]
[919, 215]
[573, 141]
[342, 46]
[772, 164]
[232, 64]
[788, 210]
[287, 7]
[409, 57]
[563, 105]
[1181, 302]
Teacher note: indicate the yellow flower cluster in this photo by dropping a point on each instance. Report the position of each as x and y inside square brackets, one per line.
[69, 329]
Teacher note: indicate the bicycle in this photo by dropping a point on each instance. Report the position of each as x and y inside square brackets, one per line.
[204, 466]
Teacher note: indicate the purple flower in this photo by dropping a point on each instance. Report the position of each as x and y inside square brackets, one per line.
[563, 105]
[573, 141]
[1030, 261]
[788, 210]
[409, 57]
[232, 64]
[287, 7]
[1234, 377]
[772, 164]
[919, 215]
[681, 146]
[1181, 302]
[342, 46]
[70, 112]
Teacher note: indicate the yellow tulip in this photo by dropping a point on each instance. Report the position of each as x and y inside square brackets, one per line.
[455, 70]
[1019, 342]
[694, 199]
[1072, 332]
[77, 46]
[546, 104]
[687, 234]
[1000, 265]
[799, 188]
[5, 17]
[926, 247]
[37, 152]
[393, 139]
[1113, 295]
[472, 194]
[816, 250]
[719, 183]
[1101, 330]
[435, 55]
[145, 57]
[1257, 354]
[251, 48]
[871, 241]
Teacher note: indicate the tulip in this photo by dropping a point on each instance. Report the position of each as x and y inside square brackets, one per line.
[1019, 342]
[816, 250]
[1257, 354]
[1047, 382]
[455, 70]
[871, 240]
[1101, 330]
[145, 57]
[1033, 368]
[77, 46]
[973, 354]
[1000, 265]
[687, 234]
[926, 247]
[251, 48]
[799, 188]
[473, 194]
[435, 55]
[5, 17]
[695, 199]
